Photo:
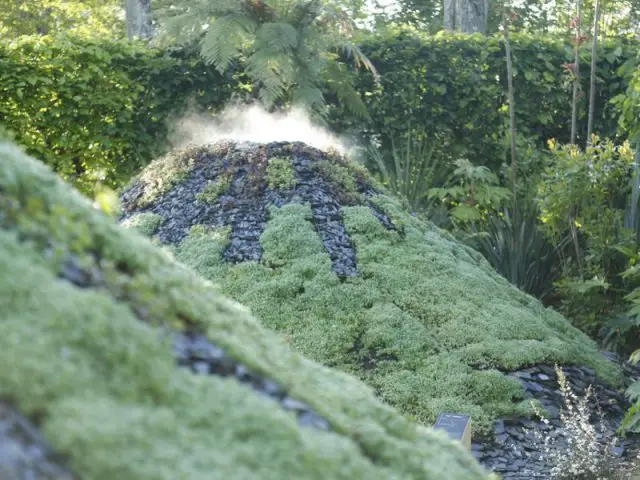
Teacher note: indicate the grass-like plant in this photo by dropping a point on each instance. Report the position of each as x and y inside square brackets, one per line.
[411, 167]
[515, 246]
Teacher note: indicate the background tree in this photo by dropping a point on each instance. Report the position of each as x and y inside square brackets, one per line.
[79, 17]
[592, 80]
[291, 48]
[139, 18]
[468, 16]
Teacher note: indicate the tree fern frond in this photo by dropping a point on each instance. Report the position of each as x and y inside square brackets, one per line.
[277, 37]
[290, 46]
[223, 41]
[359, 58]
[273, 73]
[339, 82]
[307, 92]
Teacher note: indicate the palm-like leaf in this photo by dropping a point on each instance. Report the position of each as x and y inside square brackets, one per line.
[518, 250]
[290, 46]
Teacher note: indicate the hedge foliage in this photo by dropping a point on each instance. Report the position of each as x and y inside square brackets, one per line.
[96, 111]
[456, 84]
[629, 103]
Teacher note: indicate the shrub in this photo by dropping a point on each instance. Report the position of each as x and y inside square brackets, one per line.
[94, 110]
[581, 455]
[515, 246]
[473, 192]
[413, 164]
[584, 194]
[455, 84]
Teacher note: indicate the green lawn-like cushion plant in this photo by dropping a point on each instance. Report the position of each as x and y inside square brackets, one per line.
[91, 364]
[427, 323]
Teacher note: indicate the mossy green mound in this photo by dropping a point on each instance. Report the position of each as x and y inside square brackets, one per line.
[426, 322]
[103, 386]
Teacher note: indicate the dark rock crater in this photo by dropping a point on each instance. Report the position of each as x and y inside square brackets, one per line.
[244, 205]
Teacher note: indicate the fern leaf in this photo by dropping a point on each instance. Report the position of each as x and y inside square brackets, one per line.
[353, 51]
[339, 82]
[633, 392]
[631, 420]
[222, 42]
[273, 73]
[277, 37]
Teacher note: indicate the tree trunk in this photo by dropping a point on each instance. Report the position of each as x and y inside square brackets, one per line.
[512, 107]
[449, 10]
[592, 80]
[576, 72]
[139, 20]
[468, 16]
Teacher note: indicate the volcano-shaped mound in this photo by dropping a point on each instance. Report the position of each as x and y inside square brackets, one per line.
[94, 321]
[352, 280]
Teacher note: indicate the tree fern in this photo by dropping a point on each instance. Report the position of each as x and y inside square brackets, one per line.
[222, 43]
[290, 48]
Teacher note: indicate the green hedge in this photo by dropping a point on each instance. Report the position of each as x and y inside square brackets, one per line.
[93, 110]
[629, 103]
[456, 84]
[96, 111]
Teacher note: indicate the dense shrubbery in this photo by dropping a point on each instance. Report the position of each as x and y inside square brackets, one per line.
[456, 84]
[96, 110]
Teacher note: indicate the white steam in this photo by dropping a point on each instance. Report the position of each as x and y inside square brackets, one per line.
[252, 124]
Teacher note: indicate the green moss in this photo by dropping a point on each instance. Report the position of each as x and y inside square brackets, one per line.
[146, 223]
[428, 323]
[105, 387]
[280, 174]
[341, 178]
[212, 191]
[165, 172]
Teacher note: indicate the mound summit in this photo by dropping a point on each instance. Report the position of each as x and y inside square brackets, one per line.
[349, 278]
[95, 324]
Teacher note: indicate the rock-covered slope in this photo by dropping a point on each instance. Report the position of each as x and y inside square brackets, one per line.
[350, 279]
[94, 321]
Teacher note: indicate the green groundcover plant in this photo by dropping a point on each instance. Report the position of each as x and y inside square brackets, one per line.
[427, 323]
[94, 368]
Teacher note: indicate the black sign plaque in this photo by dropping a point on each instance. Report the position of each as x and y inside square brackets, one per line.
[457, 426]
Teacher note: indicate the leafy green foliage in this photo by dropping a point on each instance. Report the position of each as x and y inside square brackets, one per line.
[280, 173]
[585, 193]
[289, 48]
[474, 191]
[630, 323]
[411, 168]
[96, 111]
[629, 102]
[455, 85]
[517, 248]
[85, 18]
